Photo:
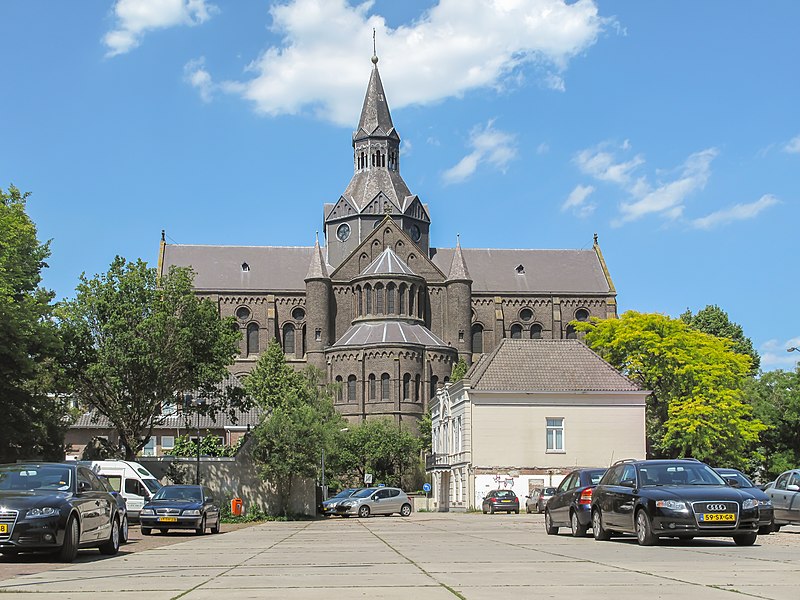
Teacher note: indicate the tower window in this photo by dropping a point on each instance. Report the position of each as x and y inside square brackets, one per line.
[288, 338]
[390, 299]
[516, 331]
[252, 338]
[385, 387]
[372, 386]
[581, 314]
[477, 338]
[379, 299]
[351, 388]
[536, 331]
[245, 267]
[520, 269]
[571, 334]
[406, 386]
[318, 335]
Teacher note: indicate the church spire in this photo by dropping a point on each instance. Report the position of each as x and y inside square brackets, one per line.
[458, 267]
[375, 118]
[317, 268]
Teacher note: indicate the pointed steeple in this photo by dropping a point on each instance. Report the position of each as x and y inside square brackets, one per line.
[458, 267]
[375, 117]
[317, 268]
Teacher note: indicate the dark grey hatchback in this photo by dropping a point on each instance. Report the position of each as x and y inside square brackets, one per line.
[181, 507]
[671, 498]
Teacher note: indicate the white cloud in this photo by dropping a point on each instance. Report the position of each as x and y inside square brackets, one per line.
[600, 164]
[543, 148]
[793, 145]
[774, 355]
[738, 212]
[489, 145]
[576, 201]
[134, 18]
[453, 47]
[195, 74]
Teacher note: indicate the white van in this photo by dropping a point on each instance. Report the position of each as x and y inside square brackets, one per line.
[135, 483]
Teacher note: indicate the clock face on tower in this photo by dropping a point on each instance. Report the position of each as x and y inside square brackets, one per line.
[343, 232]
[415, 233]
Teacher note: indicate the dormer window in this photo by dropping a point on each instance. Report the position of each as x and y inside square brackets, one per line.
[245, 267]
[520, 269]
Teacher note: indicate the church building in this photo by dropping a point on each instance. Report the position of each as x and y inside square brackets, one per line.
[374, 305]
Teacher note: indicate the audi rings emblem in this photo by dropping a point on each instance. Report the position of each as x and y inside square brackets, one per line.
[715, 507]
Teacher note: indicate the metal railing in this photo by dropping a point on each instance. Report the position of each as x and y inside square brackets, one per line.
[437, 461]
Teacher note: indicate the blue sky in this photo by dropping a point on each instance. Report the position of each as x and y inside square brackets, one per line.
[670, 128]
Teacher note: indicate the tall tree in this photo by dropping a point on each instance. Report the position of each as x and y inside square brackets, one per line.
[775, 397]
[696, 406]
[715, 321]
[459, 370]
[134, 343]
[300, 422]
[34, 416]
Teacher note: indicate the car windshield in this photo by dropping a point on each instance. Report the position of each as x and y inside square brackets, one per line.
[678, 474]
[152, 484]
[365, 493]
[743, 481]
[35, 477]
[179, 494]
[343, 494]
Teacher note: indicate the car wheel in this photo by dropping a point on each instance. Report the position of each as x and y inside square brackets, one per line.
[527, 509]
[483, 509]
[578, 530]
[491, 509]
[516, 511]
[123, 530]
[644, 529]
[405, 510]
[363, 511]
[548, 524]
[147, 531]
[600, 534]
[202, 529]
[215, 527]
[745, 539]
[111, 546]
[72, 539]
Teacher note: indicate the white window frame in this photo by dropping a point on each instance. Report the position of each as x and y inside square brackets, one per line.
[553, 430]
[149, 448]
[165, 446]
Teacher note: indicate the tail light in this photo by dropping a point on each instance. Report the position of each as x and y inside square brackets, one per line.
[586, 496]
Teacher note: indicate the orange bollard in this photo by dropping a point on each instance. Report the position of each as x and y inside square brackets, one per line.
[237, 507]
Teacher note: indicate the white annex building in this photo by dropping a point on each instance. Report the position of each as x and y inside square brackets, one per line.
[525, 415]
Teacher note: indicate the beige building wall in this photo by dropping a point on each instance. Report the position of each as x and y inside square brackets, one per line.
[598, 429]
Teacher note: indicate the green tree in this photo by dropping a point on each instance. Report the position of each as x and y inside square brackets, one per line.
[775, 397]
[34, 414]
[378, 446]
[300, 422]
[134, 343]
[210, 445]
[712, 319]
[696, 406]
[459, 370]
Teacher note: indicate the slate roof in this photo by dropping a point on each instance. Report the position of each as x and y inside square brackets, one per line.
[388, 332]
[546, 366]
[388, 263]
[368, 183]
[317, 268]
[495, 270]
[375, 116]
[492, 270]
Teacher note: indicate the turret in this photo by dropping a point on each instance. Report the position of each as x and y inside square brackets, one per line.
[318, 318]
[459, 306]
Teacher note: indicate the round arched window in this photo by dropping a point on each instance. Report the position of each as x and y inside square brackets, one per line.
[581, 314]
[298, 314]
[526, 314]
[242, 313]
[343, 232]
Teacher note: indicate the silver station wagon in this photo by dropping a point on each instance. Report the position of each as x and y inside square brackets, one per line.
[375, 501]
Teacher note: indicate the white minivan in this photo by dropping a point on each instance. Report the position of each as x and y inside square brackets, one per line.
[135, 483]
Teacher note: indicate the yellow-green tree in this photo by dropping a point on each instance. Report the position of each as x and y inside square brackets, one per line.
[696, 407]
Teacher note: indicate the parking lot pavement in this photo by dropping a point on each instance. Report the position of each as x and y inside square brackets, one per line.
[426, 556]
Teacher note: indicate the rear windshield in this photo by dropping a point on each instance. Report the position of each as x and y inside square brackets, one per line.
[596, 476]
[505, 494]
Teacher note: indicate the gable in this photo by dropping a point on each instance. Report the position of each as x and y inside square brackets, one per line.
[343, 208]
[387, 235]
[417, 210]
[379, 204]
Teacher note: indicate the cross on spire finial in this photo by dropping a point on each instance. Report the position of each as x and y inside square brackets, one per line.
[374, 51]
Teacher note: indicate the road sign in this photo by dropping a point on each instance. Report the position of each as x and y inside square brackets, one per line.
[426, 487]
[367, 478]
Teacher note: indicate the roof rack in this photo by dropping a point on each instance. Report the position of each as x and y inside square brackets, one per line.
[626, 460]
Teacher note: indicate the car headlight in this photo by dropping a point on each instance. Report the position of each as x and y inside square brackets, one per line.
[749, 503]
[47, 511]
[146, 511]
[192, 512]
[678, 505]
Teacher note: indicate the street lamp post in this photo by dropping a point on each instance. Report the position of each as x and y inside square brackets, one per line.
[793, 349]
[322, 478]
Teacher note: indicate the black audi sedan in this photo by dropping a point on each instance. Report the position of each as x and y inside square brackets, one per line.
[671, 498]
[571, 505]
[766, 517]
[58, 508]
[181, 507]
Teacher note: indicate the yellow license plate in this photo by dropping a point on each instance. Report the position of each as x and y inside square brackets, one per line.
[3, 528]
[167, 519]
[707, 518]
[505, 501]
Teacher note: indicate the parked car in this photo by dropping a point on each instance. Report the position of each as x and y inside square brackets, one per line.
[500, 500]
[56, 507]
[375, 501]
[765, 486]
[671, 498]
[785, 496]
[538, 499]
[329, 505]
[736, 478]
[122, 509]
[571, 505]
[130, 479]
[181, 507]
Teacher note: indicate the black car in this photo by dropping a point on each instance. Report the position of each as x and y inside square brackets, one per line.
[122, 509]
[500, 500]
[56, 507]
[766, 517]
[671, 498]
[180, 507]
[571, 505]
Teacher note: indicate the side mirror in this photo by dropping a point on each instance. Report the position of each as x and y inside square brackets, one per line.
[628, 483]
[733, 482]
[793, 488]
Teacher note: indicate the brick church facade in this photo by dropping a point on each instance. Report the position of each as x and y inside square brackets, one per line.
[376, 307]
